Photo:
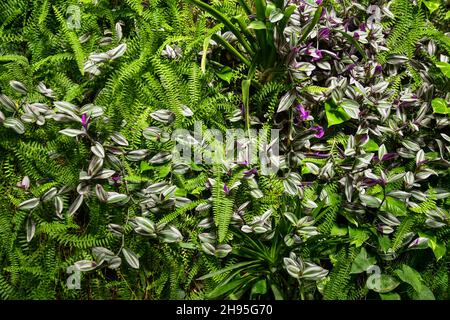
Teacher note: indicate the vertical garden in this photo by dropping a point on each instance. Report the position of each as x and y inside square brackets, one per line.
[233, 149]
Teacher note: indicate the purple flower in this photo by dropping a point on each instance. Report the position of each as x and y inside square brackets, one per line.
[24, 184]
[351, 66]
[319, 2]
[316, 55]
[319, 131]
[251, 171]
[84, 120]
[243, 163]
[378, 69]
[302, 112]
[363, 27]
[115, 178]
[226, 189]
[324, 33]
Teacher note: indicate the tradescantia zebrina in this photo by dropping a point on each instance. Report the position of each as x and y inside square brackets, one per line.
[224, 149]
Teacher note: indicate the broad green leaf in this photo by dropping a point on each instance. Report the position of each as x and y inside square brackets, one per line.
[384, 242]
[164, 170]
[439, 249]
[381, 283]
[410, 276]
[260, 287]
[337, 231]
[276, 292]
[390, 296]
[357, 236]
[225, 74]
[424, 294]
[432, 5]
[439, 106]
[445, 68]
[257, 25]
[227, 288]
[370, 146]
[362, 262]
[335, 114]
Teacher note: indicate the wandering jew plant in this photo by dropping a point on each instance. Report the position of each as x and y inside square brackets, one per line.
[236, 149]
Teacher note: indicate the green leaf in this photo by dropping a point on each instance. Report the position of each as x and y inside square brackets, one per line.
[445, 68]
[257, 25]
[424, 294]
[432, 5]
[232, 267]
[226, 289]
[351, 107]
[439, 249]
[390, 296]
[370, 146]
[357, 236]
[439, 106]
[362, 262]
[205, 49]
[145, 166]
[337, 231]
[381, 283]
[276, 292]
[260, 287]
[384, 242]
[410, 276]
[131, 258]
[164, 170]
[335, 114]
[353, 42]
[225, 74]
[447, 15]
[313, 22]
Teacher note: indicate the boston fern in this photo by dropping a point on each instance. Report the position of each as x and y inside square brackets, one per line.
[236, 149]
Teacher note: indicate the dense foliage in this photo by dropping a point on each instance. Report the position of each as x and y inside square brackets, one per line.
[95, 95]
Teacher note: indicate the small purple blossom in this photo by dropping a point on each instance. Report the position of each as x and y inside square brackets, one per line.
[243, 163]
[24, 184]
[319, 2]
[84, 120]
[226, 189]
[378, 69]
[351, 66]
[251, 171]
[319, 131]
[316, 55]
[115, 178]
[302, 112]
